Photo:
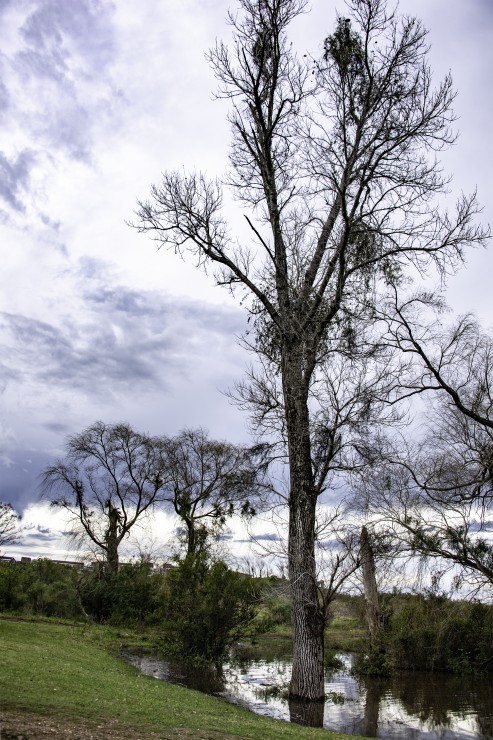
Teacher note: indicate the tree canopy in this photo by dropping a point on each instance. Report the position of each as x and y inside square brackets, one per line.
[110, 476]
[210, 480]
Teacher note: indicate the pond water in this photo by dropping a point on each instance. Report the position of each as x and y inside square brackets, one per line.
[408, 705]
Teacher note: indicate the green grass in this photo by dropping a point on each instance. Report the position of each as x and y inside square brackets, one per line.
[67, 670]
[343, 634]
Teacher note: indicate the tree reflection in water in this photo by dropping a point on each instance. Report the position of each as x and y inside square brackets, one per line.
[436, 697]
[407, 704]
[374, 693]
[310, 713]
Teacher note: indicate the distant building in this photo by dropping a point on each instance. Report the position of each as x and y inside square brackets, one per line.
[26, 560]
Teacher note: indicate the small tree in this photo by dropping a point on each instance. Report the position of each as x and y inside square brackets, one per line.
[208, 607]
[109, 478]
[209, 481]
[8, 525]
[339, 558]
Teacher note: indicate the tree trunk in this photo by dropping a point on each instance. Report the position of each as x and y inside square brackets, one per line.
[373, 612]
[307, 678]
[112, 540]
[191, 544]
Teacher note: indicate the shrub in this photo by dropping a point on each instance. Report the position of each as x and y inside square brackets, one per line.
[43, 588]
[133, 596]
[137, 595]
[208, 607]
[434, 633]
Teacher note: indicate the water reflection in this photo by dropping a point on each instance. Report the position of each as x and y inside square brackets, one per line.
[205, 678]
[375, 690]
[310, 713]
[407, 705]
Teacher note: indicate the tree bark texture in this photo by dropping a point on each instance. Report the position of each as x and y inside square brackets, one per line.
[307, 679]
[112, 540]
[373, 611]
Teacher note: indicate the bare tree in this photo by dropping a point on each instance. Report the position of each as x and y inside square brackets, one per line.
[338, 557]
[110, 477]
[339, 173]
[8, 525]
[456, 458]
[209, 481]
[456, 360]
[435, 505]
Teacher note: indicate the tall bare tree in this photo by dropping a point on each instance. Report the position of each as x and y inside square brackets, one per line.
[335, 160]
[110, 476]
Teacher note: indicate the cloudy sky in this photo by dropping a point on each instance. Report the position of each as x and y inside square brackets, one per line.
[97, 98]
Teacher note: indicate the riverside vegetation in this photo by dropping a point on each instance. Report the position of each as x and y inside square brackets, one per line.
[200, 608]
[63, 631]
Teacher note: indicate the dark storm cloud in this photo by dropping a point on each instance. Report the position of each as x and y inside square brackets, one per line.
[86, 357]
[482, 526]
[34, 536]
[126, 339]
[54, 30]
[41, 535]
[20, 477]
[329, 544]
[4, 95]
[100, 291]
[7, 375]
[57, 427]
[109, 349]
[268, 537]
[157, 307]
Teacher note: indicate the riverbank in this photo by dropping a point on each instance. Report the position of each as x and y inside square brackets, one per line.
[62, 680]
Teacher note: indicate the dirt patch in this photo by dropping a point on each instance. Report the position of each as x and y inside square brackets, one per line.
[22, 725]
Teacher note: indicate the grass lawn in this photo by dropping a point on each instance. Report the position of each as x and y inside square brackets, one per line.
[343, 634]
[59, 673]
